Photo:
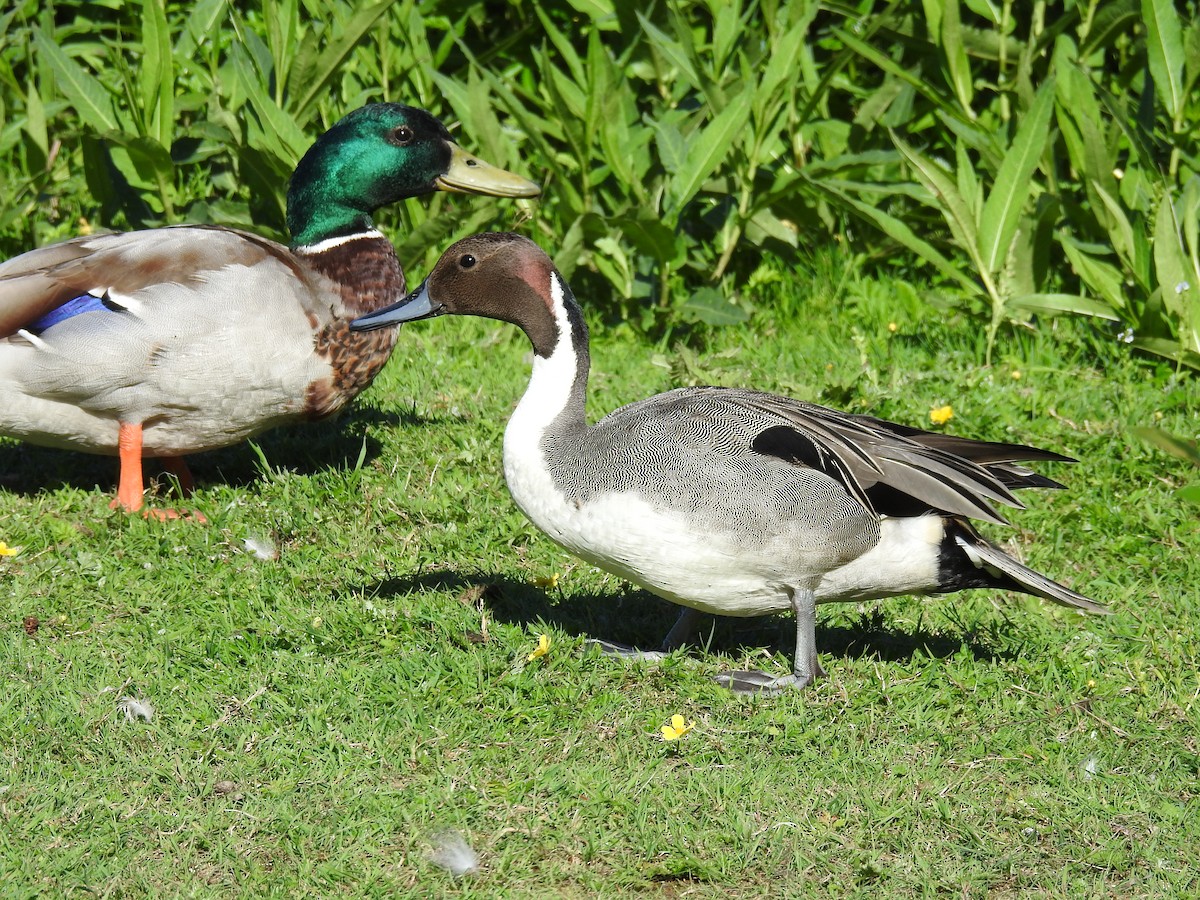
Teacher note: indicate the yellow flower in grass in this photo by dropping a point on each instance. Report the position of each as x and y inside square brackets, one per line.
[676, 729]
[549, 582]
[542, 648]
[6, 550]
[941, 415]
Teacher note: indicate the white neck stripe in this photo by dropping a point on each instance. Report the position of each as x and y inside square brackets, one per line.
[330, 243]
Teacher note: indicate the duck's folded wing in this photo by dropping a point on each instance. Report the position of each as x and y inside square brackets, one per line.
[1002, 460]
[34, 285]
[893, 469]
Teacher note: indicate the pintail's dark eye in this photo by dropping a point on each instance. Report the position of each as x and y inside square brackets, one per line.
[402, 135]
[467, 261]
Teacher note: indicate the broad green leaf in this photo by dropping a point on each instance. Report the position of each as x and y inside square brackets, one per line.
[1189, 213]
[1111, 22]
[651, 237]
[330, 61]
[1124, 116]
[565, 51]
[481, 127]
[601, 12]
[671, 147]
[157, 73]
[1101, 278]
[266, 175]
[202, 22]
[569, 249]
[765, 224]
[933, 17]
[782, 60]
[710, 306]
[958, 65]
[985, 9]
[612, 262]
[302, 65]
[834, 164]
[726, 31]
[283, 23]
[1120, 229]
[913, 77]
[35, 121]
[1191, 493]
[1169, 350]
[968, 183]
[671, 50]
[625, 146]
[570, 96]
[87, 96]
[599, 88]
[280, 134]
[706, 150]
[1175, 276]
[1029, 268]
[900, 232]
[984, 141]
[1168, 443]
[1164, 53]
[150, 158]
[1080, 121]
[945, 197]
[1013, 185]
[98, 173]
[1064, 303]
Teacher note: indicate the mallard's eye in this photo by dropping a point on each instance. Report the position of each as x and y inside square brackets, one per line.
[467, 261]
[402, 135]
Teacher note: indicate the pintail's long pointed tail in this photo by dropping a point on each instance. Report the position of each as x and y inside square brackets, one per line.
[1012, 575]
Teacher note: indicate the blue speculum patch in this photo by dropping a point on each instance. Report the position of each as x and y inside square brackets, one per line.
[81, 304]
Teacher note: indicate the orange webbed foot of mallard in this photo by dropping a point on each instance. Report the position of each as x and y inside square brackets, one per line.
[129, 488]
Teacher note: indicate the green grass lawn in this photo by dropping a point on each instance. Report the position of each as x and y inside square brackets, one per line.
[323, 714]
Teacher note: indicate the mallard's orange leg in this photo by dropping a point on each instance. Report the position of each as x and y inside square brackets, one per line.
[129, 489]
[129, 450]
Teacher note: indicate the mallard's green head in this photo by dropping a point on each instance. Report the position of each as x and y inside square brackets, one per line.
[381, 154]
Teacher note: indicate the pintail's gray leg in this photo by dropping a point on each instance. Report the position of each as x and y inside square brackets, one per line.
[682, 633]
[805, 668]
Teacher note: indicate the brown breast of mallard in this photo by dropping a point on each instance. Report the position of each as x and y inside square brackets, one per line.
[368, 276]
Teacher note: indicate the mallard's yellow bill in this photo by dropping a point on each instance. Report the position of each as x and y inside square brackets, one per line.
[471, 175]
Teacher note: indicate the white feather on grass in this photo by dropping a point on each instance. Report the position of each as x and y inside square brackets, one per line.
[452, 852]
[262, 547]
[136, 710]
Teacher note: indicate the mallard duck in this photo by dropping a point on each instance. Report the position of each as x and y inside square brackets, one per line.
[176, 340]
[730, 501]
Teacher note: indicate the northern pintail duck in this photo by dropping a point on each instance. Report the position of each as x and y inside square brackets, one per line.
[726, 501]
[176, 340]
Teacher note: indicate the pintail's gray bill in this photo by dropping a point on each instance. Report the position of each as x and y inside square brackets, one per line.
[416, 305]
